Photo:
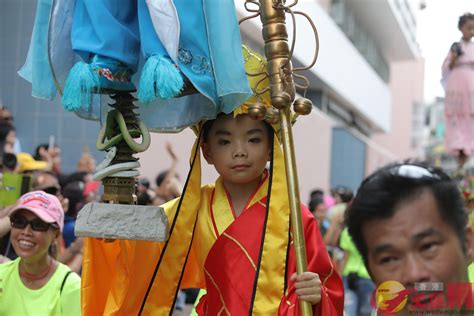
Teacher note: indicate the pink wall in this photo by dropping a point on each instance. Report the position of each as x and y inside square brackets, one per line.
[406, 85]
[312, 136]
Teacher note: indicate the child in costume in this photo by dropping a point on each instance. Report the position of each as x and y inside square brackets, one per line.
[458, 81]
[232, 238]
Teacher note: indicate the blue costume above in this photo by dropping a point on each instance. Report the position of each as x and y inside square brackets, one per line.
[162, 43]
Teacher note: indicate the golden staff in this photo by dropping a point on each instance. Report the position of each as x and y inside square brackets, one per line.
[282, 91]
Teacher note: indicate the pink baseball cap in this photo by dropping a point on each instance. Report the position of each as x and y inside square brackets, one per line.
[44, 205]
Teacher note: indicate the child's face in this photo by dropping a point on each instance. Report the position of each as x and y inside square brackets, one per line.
[238, 148]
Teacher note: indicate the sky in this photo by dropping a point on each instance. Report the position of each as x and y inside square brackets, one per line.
[437, 30]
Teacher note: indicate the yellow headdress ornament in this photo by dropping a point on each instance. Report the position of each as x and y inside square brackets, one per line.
[256, 69]
[259, 104]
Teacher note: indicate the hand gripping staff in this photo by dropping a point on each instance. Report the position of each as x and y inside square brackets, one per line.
[280, 72]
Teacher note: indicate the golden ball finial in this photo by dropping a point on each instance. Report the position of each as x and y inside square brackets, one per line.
[257, 111]
[281, 100]
[303, 106]
[272, 116]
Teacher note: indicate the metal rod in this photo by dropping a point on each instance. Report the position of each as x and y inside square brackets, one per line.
[282, 91]
[295, 204]
[122, 190]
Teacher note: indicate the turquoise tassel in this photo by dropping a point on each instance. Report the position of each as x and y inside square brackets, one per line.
[80, 84]
[159, 78]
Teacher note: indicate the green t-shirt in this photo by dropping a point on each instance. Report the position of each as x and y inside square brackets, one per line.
[201, 293]
[355, 263]
[470, 270]
[17, 299]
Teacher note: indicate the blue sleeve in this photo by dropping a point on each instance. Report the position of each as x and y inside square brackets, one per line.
[68, 232]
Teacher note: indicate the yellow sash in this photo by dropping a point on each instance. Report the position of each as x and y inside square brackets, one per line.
[137, 277]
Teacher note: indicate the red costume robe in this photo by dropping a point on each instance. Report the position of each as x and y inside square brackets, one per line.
[244, 263]
[231, 264]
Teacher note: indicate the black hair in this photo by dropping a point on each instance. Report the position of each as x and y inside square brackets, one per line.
[145, 182]
[464, 18]
[74, 192]
[315, 202]
[381, 193]
[73, 177]
[344, 193]
[316, 193]
[206, 129]
[143, 198]
[37, 155]
[7, 160]
[161, 177]
[5, 129]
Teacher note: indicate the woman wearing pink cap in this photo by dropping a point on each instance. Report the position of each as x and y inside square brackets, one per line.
[35, 283]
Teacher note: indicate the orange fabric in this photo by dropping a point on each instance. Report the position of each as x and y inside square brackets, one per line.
[127, 277]
[114, 274]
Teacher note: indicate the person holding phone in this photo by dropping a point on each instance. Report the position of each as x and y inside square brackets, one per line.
[458, 81]
[35, 283]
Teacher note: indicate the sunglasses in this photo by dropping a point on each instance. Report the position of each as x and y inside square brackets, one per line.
[52, 190]
[38, 225]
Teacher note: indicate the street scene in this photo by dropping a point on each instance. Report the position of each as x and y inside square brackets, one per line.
[237, 157]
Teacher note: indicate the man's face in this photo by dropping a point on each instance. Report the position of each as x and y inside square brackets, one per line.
[416, 245]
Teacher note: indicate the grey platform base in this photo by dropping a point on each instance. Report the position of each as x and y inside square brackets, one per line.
[120, 221]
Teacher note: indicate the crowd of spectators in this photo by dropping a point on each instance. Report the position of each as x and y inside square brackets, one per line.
[40, 173]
